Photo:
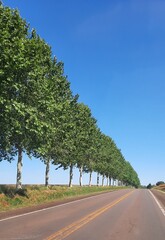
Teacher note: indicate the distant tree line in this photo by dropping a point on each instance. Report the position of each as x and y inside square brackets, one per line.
[41, 117]
[149, 186]
[160, 183]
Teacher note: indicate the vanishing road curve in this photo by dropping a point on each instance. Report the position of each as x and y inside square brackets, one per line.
[124, 214]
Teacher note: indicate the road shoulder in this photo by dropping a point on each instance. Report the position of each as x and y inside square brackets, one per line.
[160, 196]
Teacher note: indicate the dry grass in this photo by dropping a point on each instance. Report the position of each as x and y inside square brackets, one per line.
[160, 187]
[32, 195]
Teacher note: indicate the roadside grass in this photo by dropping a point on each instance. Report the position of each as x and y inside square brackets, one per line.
[32, 195]
[160, 187]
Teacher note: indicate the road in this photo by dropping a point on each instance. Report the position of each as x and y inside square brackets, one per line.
[125, 214]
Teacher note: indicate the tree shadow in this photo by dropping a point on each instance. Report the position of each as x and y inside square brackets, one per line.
[11, 192]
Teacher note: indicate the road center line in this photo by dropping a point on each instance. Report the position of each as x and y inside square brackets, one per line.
[66, 231]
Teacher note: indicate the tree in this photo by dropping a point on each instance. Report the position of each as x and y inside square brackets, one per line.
[149, 186]
[78, 139]
[107, 164]
[159, 183]
[93, 153]
[59, 100]
[24, 64]
[66, 144]
[86, 127]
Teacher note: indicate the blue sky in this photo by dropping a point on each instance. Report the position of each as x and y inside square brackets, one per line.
[114, 56]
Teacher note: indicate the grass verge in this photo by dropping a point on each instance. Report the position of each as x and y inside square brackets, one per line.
[32, 195]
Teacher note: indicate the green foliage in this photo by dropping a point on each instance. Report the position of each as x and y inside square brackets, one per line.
[159, 183]
[15, 202]
[24, 63]
[149, 186]
[39, 114]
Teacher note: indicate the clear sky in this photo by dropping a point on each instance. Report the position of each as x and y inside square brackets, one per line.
[114, 56]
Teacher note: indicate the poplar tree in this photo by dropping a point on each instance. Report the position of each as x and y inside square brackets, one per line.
[24, 64]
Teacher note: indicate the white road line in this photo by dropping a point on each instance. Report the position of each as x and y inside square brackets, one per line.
[160, 207]
[44, 209]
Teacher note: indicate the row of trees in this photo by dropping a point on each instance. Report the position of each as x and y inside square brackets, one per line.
[41, 117]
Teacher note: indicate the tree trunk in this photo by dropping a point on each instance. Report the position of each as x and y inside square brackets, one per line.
[70, 175]
[47, 173]
[103, 180]
[19, 169]
[107, 181]
[113, 182]
[110, 181]
[81, 172]
[90, 178]
[97, 179]
[116, 182]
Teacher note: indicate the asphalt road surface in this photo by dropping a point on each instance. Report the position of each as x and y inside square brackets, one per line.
[125, 215]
